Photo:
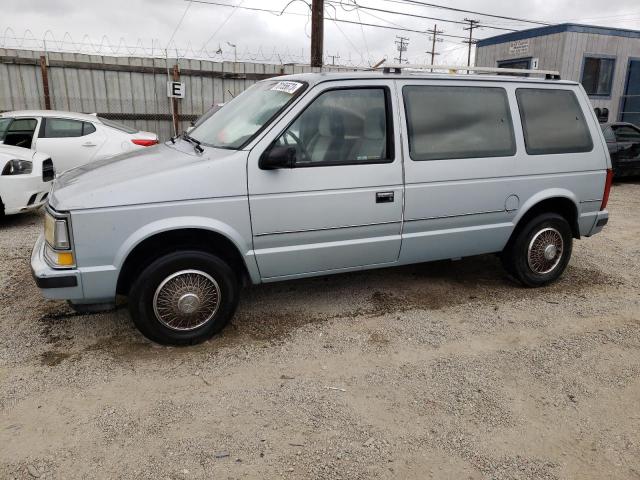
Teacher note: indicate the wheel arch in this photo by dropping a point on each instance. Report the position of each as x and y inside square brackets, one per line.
[156, 239]
[558, 201]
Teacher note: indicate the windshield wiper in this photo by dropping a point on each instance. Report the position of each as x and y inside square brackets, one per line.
[196, 143]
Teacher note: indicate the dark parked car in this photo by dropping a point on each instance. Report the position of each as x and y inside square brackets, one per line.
[623, 140]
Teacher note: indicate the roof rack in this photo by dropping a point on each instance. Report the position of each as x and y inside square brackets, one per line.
[548, 74]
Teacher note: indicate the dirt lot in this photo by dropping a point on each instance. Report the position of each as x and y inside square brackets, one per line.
[444, 370]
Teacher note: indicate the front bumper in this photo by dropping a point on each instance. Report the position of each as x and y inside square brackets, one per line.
[21, 193]
[54, 284]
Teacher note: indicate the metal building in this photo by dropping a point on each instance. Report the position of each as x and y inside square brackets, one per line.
[605, 60]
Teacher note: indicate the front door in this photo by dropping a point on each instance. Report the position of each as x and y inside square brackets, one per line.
[340, 205]
[69, 142]
[627, 156]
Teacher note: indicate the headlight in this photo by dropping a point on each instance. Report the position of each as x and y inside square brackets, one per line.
[17, 167]
[57, 251]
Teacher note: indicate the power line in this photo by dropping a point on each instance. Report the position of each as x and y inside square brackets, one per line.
[415, 15]
[175, 30]
[341, 20]
[235, 9]
[364, 38]
[444, 7]
[400, 29]
[348, 39]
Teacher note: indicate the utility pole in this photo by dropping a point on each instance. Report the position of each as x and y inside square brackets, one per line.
[333, 58]
[434, 33]
[402, 44]
[472, 24]
[317, 32]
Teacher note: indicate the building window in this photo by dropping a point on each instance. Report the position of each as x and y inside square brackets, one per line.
[597, 76]
[519, 63]
[523, 63]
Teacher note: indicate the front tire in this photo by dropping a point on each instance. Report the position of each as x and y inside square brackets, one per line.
[184, 298]
[540, 251]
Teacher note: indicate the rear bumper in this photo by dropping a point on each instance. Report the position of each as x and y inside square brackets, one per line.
[601, 219]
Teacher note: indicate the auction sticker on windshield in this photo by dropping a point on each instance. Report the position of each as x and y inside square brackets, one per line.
[287, 87]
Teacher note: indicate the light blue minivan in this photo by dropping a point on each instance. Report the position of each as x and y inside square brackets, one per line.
[315, 174]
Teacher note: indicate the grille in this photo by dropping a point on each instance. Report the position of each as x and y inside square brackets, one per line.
[48, 172]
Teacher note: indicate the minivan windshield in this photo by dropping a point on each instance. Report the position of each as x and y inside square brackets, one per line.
[244, 116]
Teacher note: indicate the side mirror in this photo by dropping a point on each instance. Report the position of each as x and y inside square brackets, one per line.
[278, 157]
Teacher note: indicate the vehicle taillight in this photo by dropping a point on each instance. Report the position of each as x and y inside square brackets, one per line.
[144, 143]
[607, 189]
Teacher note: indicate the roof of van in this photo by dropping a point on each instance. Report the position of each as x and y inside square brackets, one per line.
[51, 113]
[315, 78]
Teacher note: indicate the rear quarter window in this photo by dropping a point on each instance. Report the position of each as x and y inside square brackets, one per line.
[118, 126]
[552, 122]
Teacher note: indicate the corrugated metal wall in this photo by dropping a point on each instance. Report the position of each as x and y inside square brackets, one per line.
[565, 52]
[127, 89]
[548, 49]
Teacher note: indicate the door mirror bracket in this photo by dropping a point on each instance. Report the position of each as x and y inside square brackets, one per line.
[278, 157]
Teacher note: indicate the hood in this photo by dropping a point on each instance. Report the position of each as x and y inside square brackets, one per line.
[162, 173]
[11, 152]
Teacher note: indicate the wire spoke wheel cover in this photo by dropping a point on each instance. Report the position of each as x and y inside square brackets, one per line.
[186, 300]
[545, 251]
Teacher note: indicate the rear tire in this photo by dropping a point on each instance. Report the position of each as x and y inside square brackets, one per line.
[540, 252]
[183, 298]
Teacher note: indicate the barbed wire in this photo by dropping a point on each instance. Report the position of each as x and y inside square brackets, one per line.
[151, 48]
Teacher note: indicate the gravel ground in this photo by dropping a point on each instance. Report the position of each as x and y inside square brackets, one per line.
[442, 370]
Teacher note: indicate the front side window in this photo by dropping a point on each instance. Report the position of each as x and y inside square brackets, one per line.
[608, 134]
[552, 121]
[4, 126]
[247, 114]
[18, 131]
[627, 133]
[346, 126]
[597, 75]
[458, 122]
[62, 128]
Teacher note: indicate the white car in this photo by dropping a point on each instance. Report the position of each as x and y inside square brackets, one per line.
[70, 139]
[25, 179]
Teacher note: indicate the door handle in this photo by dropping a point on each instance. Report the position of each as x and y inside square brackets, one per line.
[88, 144]
[384, 197]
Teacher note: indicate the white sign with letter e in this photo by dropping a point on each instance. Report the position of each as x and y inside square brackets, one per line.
[175, 89]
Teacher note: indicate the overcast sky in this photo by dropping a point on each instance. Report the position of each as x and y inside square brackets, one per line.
[133, 26]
